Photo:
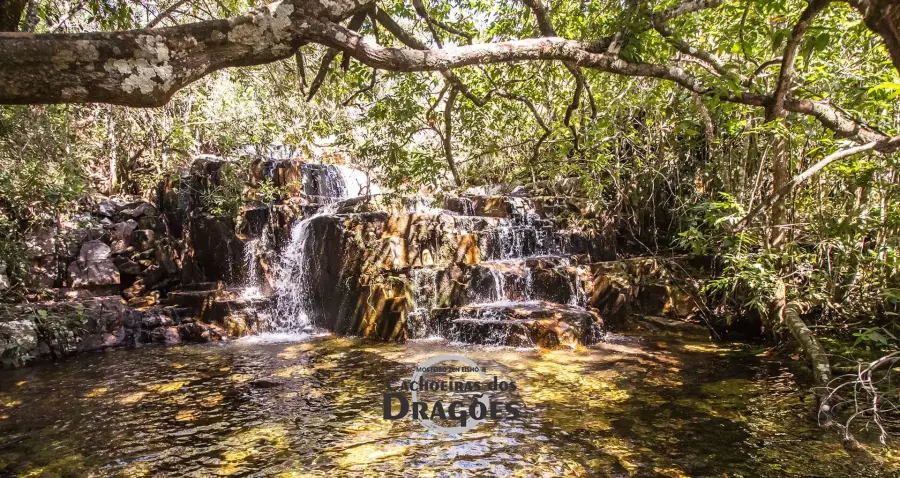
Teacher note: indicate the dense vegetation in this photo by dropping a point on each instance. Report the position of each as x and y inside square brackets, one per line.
[698, 170]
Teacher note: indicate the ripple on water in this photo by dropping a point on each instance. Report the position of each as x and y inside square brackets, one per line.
[299, 405]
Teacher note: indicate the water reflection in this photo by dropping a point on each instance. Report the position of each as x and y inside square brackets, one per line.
[645, 407]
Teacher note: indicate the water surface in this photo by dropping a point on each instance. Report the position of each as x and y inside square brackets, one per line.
[631, 407]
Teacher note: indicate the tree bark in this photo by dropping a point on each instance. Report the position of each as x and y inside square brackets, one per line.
[448, 134]
[883, 18]
[776, 111]
[11, 14]
[146, 67]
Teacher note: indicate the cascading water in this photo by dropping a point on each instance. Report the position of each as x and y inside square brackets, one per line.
[299, 264]
[293, 281]
[252, 285]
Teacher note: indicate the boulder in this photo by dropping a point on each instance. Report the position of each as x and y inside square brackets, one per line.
[18, 342]
[143, 239]
[120, 236]
[131, 268]
[108, 208]
[93, 266]
[138, 210]
[93, 251]
[215, 252]
[58, 329]
[171, 336]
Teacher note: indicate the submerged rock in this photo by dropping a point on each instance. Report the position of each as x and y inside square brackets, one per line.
[518, 324]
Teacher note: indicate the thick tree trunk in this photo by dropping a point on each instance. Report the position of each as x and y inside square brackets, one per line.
[11, 14]
[146, 67]
[883, 18]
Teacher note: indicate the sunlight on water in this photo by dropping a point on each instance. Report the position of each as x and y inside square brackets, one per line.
[265, 407]
[277, 338]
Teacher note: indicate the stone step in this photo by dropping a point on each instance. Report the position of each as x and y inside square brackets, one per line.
[517, 324]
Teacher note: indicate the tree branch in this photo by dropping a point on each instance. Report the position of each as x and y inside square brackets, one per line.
[166, 13]
[546, 30]
[146, 67]
[886, 146]
[432, 22]
[790, 54]
[448, 133]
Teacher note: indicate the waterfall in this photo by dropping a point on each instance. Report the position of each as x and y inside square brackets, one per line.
[293, 281]
[252, 286]
[296, 274]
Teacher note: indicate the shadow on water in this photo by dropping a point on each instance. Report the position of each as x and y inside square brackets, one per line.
[641, 407]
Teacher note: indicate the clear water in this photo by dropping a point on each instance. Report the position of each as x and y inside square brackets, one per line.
[638, 407]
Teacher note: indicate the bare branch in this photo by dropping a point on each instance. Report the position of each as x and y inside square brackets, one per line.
[322, 72]
[364, 89]
[546, 29]
[886, 146]
[684, 8]
[448, 133]
[790, 54]
[301, 68]
[165, 13]
[63, 19]
[432, 22]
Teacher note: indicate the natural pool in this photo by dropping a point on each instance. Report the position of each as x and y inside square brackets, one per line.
[633, 406]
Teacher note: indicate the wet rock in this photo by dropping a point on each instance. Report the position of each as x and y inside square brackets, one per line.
[131, 268]
[493, 206]
[215, 252]
[171, 336]
[541, 324]
[255, 219]
[200, 333]
[138, 210]
[154, 318]
[18, 342]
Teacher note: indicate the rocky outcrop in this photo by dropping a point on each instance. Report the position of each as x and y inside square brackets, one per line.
[493, 266]
[519, 324]
[213, 251]
[94, 267]
[622, 290]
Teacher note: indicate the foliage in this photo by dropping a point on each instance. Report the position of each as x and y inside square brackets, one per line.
[678, 171]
